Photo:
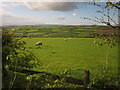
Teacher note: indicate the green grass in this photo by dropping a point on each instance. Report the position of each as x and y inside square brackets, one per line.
[73, 55]
[56, 31]
[59, 31]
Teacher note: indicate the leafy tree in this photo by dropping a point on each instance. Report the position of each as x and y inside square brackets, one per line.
[14, 54]
[106, 8]
[112, 38]
[109, 39]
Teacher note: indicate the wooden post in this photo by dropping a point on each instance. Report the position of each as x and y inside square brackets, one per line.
[86, 78]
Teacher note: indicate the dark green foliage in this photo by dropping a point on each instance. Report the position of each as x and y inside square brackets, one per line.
[14, 55]
[103, 78]
[36, 81]
[20, 81]
[14, 52]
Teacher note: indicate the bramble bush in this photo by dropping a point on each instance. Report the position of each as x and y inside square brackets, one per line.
[14, 55]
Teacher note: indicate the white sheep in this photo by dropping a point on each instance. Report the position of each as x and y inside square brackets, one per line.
[39, 43]
[95, 42]
[65, 39]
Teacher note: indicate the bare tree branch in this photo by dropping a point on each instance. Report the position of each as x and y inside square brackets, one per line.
[90, 19]
[107, 16]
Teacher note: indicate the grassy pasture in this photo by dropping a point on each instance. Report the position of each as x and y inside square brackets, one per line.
[58, 55]
[57, 31]
[71, 56]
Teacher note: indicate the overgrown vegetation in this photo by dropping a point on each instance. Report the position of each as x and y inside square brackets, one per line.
[14, 56]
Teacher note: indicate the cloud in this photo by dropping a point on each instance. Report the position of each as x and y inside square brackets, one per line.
[12, 4]
[52, 6]
[74, 14]
[61, 17]
[45, 6]
[49, 0]
[9, 18]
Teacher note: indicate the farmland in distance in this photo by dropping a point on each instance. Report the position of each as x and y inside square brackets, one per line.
[71, 49]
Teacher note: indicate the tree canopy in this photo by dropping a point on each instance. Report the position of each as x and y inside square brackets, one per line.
[14, 53]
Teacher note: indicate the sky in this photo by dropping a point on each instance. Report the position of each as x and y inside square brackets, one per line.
[59, 13]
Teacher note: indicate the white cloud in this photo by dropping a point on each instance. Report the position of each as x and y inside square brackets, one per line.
[11, 4]
[52, 6]
[9, 18]
[47, 0]
[74, 14]
[61, 17]
[46, 6]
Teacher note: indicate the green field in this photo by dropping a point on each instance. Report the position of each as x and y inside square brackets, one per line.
[68, 51]
[75, 54]
[59, 31]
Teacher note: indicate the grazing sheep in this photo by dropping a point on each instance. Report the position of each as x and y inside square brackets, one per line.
[39, 43]
[65, 39]
[95, 42]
